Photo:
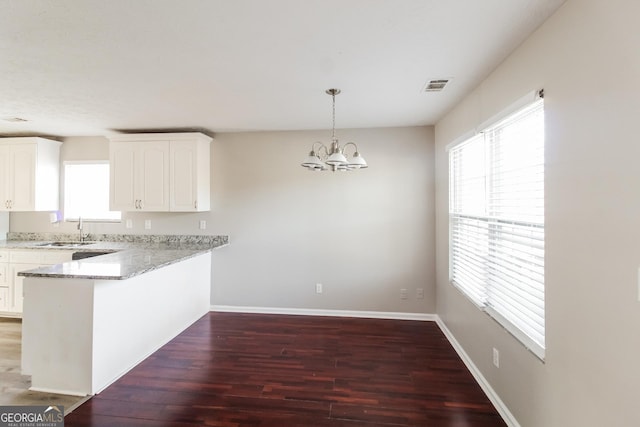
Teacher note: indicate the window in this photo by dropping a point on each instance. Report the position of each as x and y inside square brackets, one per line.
[496, 222]
[86, 191]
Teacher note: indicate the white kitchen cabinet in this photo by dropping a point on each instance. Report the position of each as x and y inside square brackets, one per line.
[4, 274]
[162, 172]
[189, 189]
[4, 298]
[29, 174]
[4, 282]
[18, 260]
[4, 260]
[139, 175]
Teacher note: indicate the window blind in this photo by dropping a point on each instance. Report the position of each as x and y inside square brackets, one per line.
[496, 217]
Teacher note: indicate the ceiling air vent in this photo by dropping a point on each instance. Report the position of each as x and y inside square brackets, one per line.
[436, 85]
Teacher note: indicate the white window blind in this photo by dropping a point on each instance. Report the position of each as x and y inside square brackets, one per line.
[496, 217]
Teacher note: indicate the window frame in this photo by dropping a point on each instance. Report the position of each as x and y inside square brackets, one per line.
[64, 193]
[479, 298]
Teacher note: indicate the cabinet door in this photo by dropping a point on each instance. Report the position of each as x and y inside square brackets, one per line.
[189, 184]
[29, 174]
[154, 176]
[4, 298]
[183, 192]
[122, 177]
[23, 167]
[5, 177]
[4, 271]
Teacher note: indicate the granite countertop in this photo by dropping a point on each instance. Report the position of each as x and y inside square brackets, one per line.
[130, 255]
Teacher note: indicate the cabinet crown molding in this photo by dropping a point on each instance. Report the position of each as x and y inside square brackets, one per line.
[160, 136]
[28, 140]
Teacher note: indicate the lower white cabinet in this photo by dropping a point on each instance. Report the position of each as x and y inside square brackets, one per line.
[4, 274]
[4, 298]
[4, 260]
[13, 261]
[4, 281]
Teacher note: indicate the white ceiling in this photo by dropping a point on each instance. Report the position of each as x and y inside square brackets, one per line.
[89, 67]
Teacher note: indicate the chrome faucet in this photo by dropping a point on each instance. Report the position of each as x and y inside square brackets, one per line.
[82, 236]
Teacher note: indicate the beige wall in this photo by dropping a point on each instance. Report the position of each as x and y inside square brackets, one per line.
[364, 235]
[586, 58]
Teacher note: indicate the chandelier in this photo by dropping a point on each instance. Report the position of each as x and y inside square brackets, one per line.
[322, 158]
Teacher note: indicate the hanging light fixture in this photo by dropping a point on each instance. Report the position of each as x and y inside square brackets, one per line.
[322, 158]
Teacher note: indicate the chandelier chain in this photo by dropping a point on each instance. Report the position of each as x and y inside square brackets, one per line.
[333, 129]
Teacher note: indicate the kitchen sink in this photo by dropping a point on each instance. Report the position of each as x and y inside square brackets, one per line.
[86, 254]
[64, 244]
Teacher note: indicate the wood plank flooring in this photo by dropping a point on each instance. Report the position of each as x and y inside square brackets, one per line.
[14, 387]
[232, 369]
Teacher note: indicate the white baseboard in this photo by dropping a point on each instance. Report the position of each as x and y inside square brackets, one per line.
[323, 312]
[502, 409]
[57, 391]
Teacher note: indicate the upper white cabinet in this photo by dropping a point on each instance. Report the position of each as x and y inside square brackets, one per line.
[139, 176]
[160, 172]
[189, 189]
[29, 174]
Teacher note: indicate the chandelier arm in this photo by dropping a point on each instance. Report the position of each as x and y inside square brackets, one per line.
[313, 147]
[344, 148]
[320, 148]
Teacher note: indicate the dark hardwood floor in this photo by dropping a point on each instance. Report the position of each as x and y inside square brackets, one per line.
[232, 369]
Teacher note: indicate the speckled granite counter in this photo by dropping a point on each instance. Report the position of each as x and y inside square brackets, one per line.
[131, 255]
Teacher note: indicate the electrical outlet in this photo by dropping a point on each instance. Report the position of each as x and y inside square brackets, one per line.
[420, 293]
[496, 357]
[147, 224]
[403, 294]
[318, 288]
[203, 224]
[128, 223]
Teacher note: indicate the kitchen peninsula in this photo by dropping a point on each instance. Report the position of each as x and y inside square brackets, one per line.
[87, 322]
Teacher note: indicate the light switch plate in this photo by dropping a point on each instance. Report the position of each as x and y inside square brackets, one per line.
[147, 224]
[129, 223]
[203, 224]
